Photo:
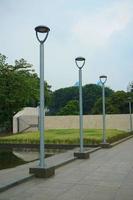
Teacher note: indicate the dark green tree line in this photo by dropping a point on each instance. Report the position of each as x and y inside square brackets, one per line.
[71, 108]
[117, 103]
[65, 101]
[66, 97]
[91, 93]
[61, 97]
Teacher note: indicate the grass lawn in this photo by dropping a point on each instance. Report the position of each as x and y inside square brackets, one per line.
[65, 136]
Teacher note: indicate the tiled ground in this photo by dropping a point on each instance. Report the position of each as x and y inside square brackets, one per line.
[107, 175]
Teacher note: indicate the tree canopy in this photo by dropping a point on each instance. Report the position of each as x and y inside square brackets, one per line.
[91, 93]
[71, 108]
[117, 103]
[61, 98]
[19, 87]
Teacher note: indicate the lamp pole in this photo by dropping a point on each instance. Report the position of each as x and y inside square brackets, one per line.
[103, 80]
[130, 112]
[77, 61]
[42, 30]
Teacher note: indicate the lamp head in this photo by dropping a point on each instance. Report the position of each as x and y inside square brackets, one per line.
[103, 79]
[80, 60]
[42, 29]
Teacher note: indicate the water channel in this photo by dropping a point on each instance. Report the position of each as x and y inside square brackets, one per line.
[17, 156]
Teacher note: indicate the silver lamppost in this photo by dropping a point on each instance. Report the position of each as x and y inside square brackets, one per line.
[80, 61]
[130, 112]
[45, 31]
[42, 171]
[103, 80]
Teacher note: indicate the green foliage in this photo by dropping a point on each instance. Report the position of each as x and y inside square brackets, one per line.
[117, 103]
[97, 106]
[91, 93]
[61, 97]
[19, 87]
[71, 108]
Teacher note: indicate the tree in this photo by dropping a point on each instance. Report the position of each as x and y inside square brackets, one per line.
[71, 108]
[19, 87]
[91, 93]
[61, 97]
[97, 108]
[117, 103]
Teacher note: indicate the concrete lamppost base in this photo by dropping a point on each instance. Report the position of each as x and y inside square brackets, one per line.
[83, 155]
[42, 172]
[105, 145]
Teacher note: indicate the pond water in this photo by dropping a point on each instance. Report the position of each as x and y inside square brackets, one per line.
[16, 156]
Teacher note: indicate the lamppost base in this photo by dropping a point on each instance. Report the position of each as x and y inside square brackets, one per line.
[42, 172]
[82, 155]
[105, 145]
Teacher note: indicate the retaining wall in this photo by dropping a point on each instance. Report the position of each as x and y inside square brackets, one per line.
[30, 122]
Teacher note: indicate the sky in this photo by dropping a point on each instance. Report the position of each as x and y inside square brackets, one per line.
[99, 30]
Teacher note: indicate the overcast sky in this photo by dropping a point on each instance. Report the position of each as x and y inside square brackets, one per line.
[99, 30]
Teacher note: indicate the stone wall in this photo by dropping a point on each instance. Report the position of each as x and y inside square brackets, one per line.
[30, 122]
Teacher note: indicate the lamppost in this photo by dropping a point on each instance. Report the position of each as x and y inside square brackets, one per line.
[130, 112]
[45, 31]
[42, 171]
[103, 80]
[80, 61]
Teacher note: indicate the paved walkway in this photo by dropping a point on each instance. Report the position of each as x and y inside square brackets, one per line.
[107, 175]
[13, 176]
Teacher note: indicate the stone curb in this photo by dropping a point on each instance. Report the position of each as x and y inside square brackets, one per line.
[96, 149]
[120, 141]
[74, 158]
[10, 185]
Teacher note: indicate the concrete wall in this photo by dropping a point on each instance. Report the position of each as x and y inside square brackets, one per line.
[30, 122]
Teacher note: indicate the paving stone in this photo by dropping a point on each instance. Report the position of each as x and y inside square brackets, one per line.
[107, 175]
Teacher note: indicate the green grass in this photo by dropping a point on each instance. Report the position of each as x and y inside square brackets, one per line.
[65, 136]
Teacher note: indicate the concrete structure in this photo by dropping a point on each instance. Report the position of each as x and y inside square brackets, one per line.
[27, 120]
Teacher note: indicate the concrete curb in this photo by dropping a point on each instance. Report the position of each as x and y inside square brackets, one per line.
[74, 158]
[64, 163]
[96, 149]
[10, 185]
[120, 141]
